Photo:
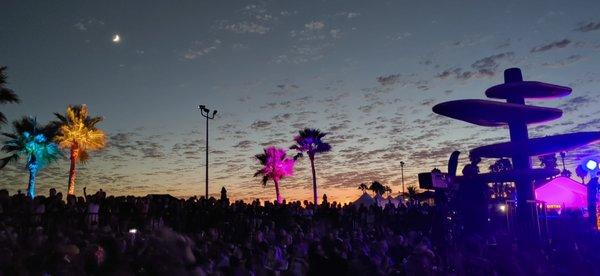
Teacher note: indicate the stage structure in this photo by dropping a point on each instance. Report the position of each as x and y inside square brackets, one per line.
[515, 114]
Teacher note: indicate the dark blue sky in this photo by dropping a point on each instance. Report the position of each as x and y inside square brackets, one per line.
[368, 72]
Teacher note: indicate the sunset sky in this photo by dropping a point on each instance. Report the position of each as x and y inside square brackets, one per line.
[367, 72]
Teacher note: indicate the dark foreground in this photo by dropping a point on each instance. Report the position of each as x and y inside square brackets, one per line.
[101, 235]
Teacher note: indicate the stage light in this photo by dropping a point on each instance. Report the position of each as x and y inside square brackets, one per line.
[502, 208]
[591, 165]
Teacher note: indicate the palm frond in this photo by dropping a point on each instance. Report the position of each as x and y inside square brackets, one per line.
[6, 94]
[83, 156]
[265, 179]
[262, 158]
[298, 156]
[4, 161]
[10, 147]
[25, 124]
[91, 122]
[9, 135]
[50, 130]
[60, 117]
[323, 147]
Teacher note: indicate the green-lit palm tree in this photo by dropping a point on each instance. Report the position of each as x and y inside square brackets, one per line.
[310, 141]
[276, 165]
[33, 142]
[6, 94]
[78, 133]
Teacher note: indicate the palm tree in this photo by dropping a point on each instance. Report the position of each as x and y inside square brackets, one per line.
[33, 142]
[310, 141]
[564, 172]
[387, 189]
[377, 188]
[549, 161]
[581, 172]
[6, 94]
[363, 187]
[78, 133]
[412, 192]
[276, 165]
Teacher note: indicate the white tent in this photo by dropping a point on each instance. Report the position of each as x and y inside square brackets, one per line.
[365, 199]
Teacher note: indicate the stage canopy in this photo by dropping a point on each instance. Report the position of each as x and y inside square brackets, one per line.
[365, 199]
[564, 192]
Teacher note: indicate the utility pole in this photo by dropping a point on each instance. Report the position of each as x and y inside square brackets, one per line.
[206, 114]
[402, 175]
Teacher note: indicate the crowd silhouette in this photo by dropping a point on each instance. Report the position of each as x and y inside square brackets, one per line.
[162, 235]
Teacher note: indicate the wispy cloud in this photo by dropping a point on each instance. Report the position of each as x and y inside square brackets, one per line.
[201, 48]
[85, 24]
[550, 46]
[588, 27]
[484, 67]
[388, 79]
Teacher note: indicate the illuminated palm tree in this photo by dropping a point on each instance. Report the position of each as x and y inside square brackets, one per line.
[310, 141]
[6, 94]
[276, 165]
[78, 133]
[33, 142]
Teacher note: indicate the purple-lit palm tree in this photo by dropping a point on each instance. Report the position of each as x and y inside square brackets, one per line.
[310, 141]
[276, 165]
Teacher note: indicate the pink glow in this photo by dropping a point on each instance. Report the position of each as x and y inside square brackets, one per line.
[563, 191]
[278, 165]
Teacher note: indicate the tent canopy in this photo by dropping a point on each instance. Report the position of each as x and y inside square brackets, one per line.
[563, 191]
[365, 199]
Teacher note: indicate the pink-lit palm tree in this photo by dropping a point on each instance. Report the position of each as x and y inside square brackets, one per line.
[310, 141]
[276, 165]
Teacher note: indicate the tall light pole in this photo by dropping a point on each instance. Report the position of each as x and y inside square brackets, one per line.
[402, 175]
[206, 114]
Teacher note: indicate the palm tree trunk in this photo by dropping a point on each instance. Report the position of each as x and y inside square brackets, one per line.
[314, 179]
[33, 168]
[277, 191]
[73, 170]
